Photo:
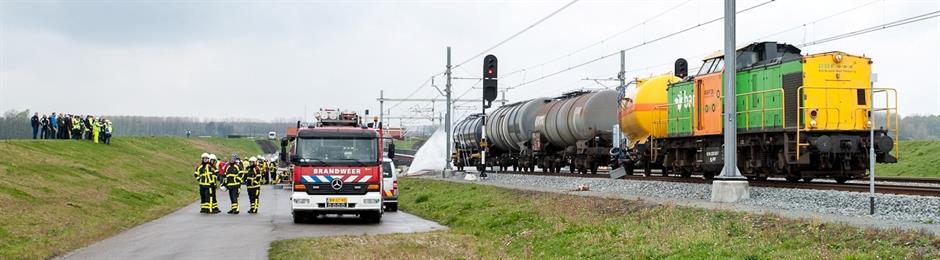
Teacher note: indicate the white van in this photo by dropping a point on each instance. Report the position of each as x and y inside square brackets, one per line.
[272, 135]
[390, 185]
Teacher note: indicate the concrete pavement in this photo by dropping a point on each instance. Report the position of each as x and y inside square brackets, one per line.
[187, 234]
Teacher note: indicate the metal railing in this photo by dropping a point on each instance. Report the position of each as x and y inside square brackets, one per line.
[800, 110]
[889, 94]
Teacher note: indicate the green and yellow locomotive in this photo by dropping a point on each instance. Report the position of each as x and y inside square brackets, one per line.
[798, 116]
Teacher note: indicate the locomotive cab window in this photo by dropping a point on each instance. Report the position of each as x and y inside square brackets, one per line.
[706, 67]
[711, 66]
[860, 94]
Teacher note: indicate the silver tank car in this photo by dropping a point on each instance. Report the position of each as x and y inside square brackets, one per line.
[578, 117]
[510, 127]
[576, 130]
[468, 132]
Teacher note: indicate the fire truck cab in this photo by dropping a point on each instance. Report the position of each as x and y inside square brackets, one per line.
[337, 168]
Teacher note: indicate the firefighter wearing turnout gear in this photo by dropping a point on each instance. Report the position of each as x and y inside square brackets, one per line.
[233, 181]
[253, 181]
[205, 176]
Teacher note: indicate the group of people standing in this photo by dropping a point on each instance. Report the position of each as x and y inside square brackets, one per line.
[212, 175]
[73, 127]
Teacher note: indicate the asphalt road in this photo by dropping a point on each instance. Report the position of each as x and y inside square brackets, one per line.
[187, 234]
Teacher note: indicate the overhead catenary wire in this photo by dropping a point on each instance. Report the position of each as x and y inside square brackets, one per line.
[488, 49]
[638, 45]
[916, 18]
[650, 19]
[517, 33]
[768, 35]
[818, 20]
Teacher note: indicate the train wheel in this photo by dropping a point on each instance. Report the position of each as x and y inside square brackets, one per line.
[807, 179]
[841, 180]
[792, 179]
[685, 174]
[708, 175]
[761, 178]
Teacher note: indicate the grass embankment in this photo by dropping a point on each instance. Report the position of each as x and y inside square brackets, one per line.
[918, 159]
[492, 223]
[58, 196]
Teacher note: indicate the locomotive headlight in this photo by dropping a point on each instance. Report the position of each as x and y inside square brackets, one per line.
[812, 115]
[869, 124]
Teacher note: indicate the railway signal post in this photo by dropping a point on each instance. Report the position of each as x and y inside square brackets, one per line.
[489, 94]
[730, 186]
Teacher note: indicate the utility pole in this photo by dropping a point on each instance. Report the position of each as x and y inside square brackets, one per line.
[871, 146]
[447, 120]
[623, 69]
[381, 106]
[730, 186]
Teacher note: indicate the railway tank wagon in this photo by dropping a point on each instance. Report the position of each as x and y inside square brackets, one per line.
[509, 131]
[639, 106]
[576, 130]
[799, 117]
[467, 136]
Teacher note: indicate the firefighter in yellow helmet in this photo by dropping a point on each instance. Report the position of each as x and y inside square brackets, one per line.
[204, 177]
[233, 181]
[253, 182]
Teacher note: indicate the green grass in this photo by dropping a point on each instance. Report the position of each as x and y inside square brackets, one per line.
[408, 144]
[58, 196]
[918, 159]
[491, 223]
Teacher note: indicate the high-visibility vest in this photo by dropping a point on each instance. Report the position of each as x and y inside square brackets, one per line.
[253, 176]
[204, 174]
[234, 175]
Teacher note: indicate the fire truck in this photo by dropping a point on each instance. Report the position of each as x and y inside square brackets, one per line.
[336, 166]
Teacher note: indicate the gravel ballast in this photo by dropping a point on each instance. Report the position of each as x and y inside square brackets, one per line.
[899, 208]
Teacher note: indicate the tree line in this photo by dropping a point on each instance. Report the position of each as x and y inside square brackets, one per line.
[15, 125]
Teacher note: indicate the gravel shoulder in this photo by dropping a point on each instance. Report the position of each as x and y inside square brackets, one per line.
[904, 212]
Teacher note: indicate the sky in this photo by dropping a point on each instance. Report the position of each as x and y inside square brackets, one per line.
[273, 60]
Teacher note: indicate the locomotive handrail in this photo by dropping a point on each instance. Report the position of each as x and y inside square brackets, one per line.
[763, 109]
[891, 112]
[658, 120]
[889, 94]
[800, 109]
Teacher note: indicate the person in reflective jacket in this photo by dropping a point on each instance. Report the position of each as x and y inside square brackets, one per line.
[204, 176]
[233, 181]
[253, 181]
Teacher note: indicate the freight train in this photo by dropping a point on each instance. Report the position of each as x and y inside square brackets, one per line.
[574, 130]
[798, 117]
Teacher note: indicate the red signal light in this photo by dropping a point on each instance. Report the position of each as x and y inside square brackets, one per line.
[489, 72]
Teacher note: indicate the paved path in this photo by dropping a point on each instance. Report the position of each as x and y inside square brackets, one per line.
[187, 234]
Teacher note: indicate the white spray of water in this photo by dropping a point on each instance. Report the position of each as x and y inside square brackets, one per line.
[432, 156]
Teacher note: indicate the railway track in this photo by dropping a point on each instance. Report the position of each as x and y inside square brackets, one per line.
[908, 179]
[853, 187]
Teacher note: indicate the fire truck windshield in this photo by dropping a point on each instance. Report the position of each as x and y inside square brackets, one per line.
[338, 151]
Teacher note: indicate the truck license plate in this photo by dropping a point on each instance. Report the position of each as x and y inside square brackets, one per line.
[339, 202]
